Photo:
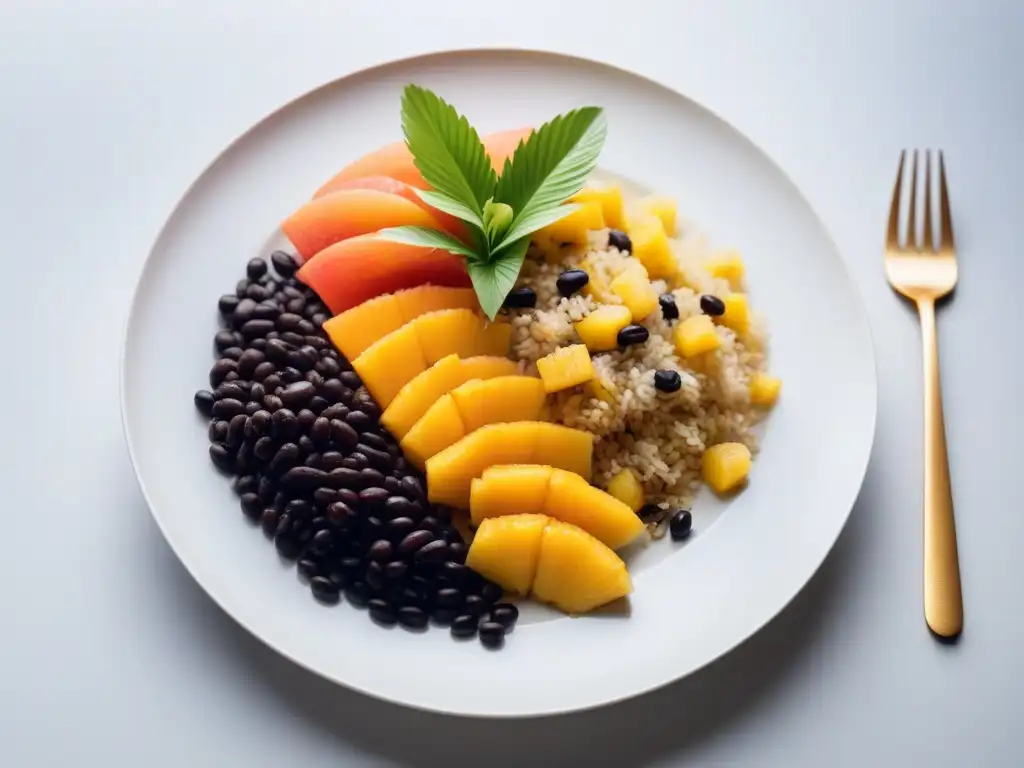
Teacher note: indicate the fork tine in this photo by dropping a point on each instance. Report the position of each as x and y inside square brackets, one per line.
[929, 239]
[912, 214]
[893, 236]
[945, 218]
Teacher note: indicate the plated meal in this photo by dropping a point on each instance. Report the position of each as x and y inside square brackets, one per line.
[483, 374]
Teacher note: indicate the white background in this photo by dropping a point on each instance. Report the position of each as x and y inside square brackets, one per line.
[109, 653]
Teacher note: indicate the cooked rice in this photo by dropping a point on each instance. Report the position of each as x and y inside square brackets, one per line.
[660, 436]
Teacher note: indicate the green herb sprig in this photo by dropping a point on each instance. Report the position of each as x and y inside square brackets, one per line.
[545, 170]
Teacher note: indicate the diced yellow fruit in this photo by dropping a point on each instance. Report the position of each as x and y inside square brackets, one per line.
[764, 389]
[431, 298]
[664, 208]
[600, 329]
[354, 330]
[599, 391]
[651, 247]
[505, 398]
[494, 339]
[448, 331]
[509, 489]
[505, 550]
[737, 313]
[565, 367]
[438, 428]
[575, 227]
[627, 489]
[390, 363]
[695, 336]
[572, 499]
[575, 572]
[451, 471]
[487, 367]
[610, 200]
[725, 466]
[596, 286]
[728, 265]
[635, 289]
[564, 448]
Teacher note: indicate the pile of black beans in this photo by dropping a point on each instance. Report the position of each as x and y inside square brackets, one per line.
[291, 421]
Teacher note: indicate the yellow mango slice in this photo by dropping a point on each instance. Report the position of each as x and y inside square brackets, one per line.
[448, 331]
[507, 490]
[651, 247]
[695, 336]
[432, 298]
[600, 329]
[564, 448]
[575, 572]
[725, 466]
[354, 330]
[764, 389]
[572, 499]
[610, 200]
[627, 489]
[634, 288]
[565, 367]
[575, 227]
[438, 428]
[505, 550]
[505, 398]
[737, 313]
[390, 362]
[487, 367]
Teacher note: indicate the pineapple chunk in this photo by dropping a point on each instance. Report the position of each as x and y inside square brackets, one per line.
[635, 289]
[600, 329]
[764, 389]
[695, 336]
[610, 200]
[651, 246]
[565, 368]
[664, 208]
[737, 313]
[575, 227]
[728, 265]
[505, 550]
[725, 466]
[596, 286]
[577, 573]
[599, 391]
[627, 489]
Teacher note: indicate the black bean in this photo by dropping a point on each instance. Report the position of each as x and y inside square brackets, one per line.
[227, 408]
[266, 310]
[475, 605]
[351, 379]
[669, 309]
[338, 579]
[277, 351]
[412, 487]
[380, 460]
[491, 593]
[373, 528]
[246, 484]
[414, 541]
[308, 569]
[287, 547]
[464, 625]
[287, 456]
[680, 525]
[259, 423]
[343, 477]
[522, 297]
[357, 594]
[324, 589]
[324, 497]
[296, 395]
[236, 430]
[456, 573]
[712, 305]
[620, 240]
[295, 305]
[492, 634]
[381, 550]
[257, 392]
[399, 528]
[411, 617]
[283, 423]
[632, 334]
[571, 281]
[290, 374]
[319, 318]
[322, 345]
[253, 329]
[667, 381]
[372, 499]
[355, 461]
[430, 523]
[288, 321]
[284, 264]
[222, 456]
[448, 597]
[225, 339]
[232, 353]
[204, 402]
[227, 303]
[315, 379]
[300, 362]
[250, 361]
[343, 435]
[329, 367]
[336, 411]
[269, 519]
[230, 389]
[340, 513]
[243, 312]
[303, 478]
[273, 381]
[256, 268]
[322, 541]
[257, 292]
[505, 614]
[317, 404]
[433, 552]
[332, 460]
[251, 408]
[382, 613]
[262, 371]
[221, 369]
[457, 551]
[267, 489]
[320, 431]
[650, 512]
[395, 570]
[231, 376]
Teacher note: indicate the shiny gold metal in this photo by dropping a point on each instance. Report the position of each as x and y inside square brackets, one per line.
[924, 274]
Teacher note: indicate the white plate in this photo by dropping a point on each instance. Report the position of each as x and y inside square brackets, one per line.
[692, 602]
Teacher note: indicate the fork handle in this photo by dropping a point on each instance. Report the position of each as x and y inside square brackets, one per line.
[943, 603]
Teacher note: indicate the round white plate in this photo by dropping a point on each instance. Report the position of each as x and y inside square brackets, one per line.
[692, 602]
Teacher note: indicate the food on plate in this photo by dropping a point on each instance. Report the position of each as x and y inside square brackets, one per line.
[484, 370]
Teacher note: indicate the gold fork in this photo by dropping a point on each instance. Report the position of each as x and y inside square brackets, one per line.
[924, 274]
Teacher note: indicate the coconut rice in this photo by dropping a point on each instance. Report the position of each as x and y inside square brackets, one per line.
[661, 437]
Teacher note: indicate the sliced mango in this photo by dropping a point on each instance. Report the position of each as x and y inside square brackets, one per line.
[505, 550]
[610, 200]
[572, 499]
[695, 336]
[508, 490]
[634, 288]
[413, 400]
[387, 364]
[438, 428]
[600, 329]
[575, 572]
[575, 227]
[431, 298]
[764, 389]
[448, 331]
[627, 489]
[505, 398]
[565, 367]
[651, 247]
[725, 466]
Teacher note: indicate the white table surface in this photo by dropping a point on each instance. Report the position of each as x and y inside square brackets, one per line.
[109, 652]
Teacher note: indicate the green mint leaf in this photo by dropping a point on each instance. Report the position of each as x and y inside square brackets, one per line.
[446, 149]
[550, 167]
[427, 237]
[497, 219]
[444, 203]
[493, 279]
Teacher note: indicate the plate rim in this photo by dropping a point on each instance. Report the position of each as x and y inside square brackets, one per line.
[427, 54]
